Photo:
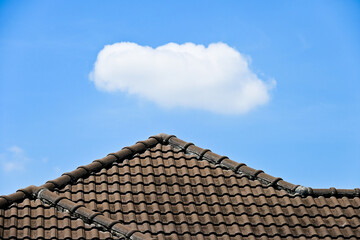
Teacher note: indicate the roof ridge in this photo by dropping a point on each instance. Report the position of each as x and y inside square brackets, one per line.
[205, 154]
[266, 179]
[82, 171]
[62, 203]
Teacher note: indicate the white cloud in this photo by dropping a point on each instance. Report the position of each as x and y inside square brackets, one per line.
[16, 150]
[12, 166]
[14, 159]
[216, 78]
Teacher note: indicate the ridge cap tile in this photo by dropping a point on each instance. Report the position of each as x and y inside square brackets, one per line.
[62, 203]
[205, 154]
[276, 182]
[82, 171]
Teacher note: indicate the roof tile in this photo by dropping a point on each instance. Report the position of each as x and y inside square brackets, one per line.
[166, 188]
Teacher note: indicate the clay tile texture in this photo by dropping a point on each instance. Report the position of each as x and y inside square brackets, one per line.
[166, 188]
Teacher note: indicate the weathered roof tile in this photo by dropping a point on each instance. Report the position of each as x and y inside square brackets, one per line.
[166, 188]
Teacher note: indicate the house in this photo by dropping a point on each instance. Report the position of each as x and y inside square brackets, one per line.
[166, 188]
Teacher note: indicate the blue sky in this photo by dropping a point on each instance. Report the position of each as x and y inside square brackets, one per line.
[53, 118]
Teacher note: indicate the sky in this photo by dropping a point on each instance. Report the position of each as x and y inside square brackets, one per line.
[273, 84]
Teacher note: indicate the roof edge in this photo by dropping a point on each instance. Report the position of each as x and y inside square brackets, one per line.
[266, 179]
[203, 154]
[83, 171]
[64, 204]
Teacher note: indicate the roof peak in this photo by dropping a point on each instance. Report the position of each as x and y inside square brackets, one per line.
[190, 148]
[243, 169]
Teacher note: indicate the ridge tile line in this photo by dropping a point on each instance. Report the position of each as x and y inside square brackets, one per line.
[242, 169]
[228, 164]
[81, 171]
[222, 161]
[80, 211]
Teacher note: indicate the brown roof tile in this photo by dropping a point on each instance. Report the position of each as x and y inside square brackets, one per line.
[165, 188]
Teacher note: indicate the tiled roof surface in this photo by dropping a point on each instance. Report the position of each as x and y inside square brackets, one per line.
[32, 219]
[165, 188]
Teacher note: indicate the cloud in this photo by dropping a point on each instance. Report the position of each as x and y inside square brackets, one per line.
[16, 150]
[216, 78]
[13, 159]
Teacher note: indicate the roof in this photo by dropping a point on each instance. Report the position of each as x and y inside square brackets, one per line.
[166, 188]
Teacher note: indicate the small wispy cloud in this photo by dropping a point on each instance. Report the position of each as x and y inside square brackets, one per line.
[216, 78]
[13, 159]
[16, 150]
